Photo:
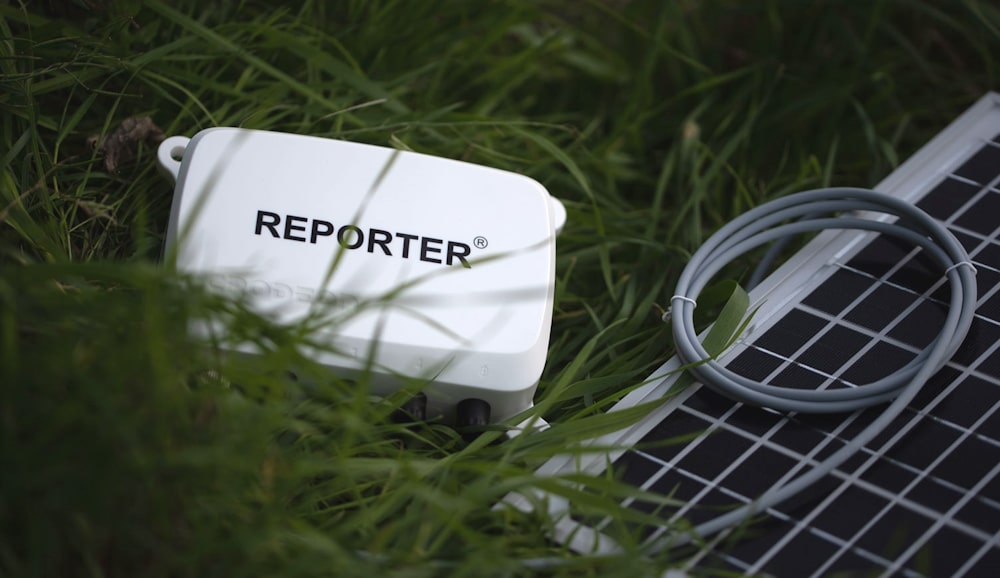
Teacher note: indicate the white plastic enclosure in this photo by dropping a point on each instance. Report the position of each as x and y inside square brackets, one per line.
[446, 267]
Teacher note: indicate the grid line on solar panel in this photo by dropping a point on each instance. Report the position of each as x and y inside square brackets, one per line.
[912, 506]
[881, 347]
[883, 534]
[988, 559]
[829, 336]
[762, 443]
[939, 525]
[818, 533]
[791, 530]
[953, 426]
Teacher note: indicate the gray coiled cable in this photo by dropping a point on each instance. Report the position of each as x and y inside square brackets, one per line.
[807, 212]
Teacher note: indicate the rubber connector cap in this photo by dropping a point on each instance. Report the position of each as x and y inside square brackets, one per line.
[414, 409]
[472, 412]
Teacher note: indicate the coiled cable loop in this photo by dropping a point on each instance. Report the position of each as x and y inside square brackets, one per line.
[807, 212]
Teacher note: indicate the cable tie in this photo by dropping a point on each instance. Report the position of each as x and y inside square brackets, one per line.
[959, 264]
[684, 298]
[666, 314]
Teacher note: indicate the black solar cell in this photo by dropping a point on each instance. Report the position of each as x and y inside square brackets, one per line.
[981, 167]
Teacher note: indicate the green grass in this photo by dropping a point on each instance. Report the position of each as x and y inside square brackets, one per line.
[123, 451]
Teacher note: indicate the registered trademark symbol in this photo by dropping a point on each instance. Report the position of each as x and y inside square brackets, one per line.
[480, 242]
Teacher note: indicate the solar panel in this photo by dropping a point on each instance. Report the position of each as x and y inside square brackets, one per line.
[922, 499]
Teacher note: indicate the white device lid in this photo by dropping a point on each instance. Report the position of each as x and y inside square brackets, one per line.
[448, 265]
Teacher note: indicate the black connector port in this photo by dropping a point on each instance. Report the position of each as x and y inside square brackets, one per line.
[472, 412]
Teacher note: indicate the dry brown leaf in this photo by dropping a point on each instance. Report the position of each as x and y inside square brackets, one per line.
[121, 144]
